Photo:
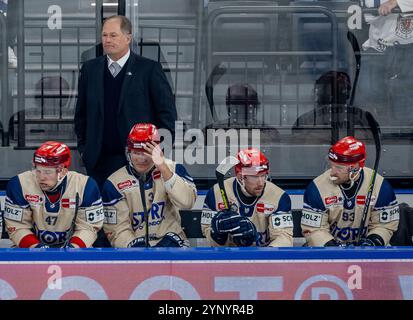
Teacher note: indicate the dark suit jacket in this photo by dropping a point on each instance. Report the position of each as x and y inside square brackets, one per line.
[145, 97]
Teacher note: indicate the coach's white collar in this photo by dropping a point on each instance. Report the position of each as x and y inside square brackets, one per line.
[121, 61]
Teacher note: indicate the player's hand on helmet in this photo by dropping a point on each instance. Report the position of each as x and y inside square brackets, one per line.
[154, 150]
[246, 235]
[137, 243]
[170, 239]
[41, 245]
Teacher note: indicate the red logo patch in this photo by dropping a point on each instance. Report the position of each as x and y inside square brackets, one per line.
[264, 208]
[156, 175]
[260, 207]
[361, 200]
[330, 200]
[124, 184]
[32, 197]
[68, 203]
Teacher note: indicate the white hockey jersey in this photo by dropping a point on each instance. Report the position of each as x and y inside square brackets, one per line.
[390, 30]
[328, 214]
[31, 218]
[124, 213]
[270, 213]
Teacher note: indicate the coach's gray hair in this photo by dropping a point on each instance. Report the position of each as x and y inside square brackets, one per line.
[125, 24]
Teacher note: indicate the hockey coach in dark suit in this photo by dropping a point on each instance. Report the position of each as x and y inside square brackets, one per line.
[115, 91]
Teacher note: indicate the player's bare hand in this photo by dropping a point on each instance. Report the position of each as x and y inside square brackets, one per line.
[387, 7]
[156, 153]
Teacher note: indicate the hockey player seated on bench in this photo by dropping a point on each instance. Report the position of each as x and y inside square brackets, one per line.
[333, 211]
[191, 224]
[259, 212]
[51, 206]
[142, 199]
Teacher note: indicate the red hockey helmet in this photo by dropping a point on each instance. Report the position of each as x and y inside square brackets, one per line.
[53, 154]
[251, 162]
[348, 151]
[140, 134]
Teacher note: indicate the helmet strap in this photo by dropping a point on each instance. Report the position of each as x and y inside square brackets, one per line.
[242, 185]
[60, 178]
[353, 175]
[146, 174]
[128, 157]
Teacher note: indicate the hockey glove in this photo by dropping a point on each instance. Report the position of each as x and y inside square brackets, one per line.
[372, 240]
[69, 245]
[138, 242]
[170, 239]
[222, 223]
[246, 235]
[42, 245]
[332, 243]
[226, 221]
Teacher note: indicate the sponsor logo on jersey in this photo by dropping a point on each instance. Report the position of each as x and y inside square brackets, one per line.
[156, 174]
[346, 234]
[390, 215]
[282, 220]
[207, 216]
[311, 219]
[68, 203]
[125, 185]
[13, 213]
[330, 200]
[155, 216]
[95, 215]
[265, 208]
[361, 200]
[32, 198]
[110, 216]
[50, 237]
